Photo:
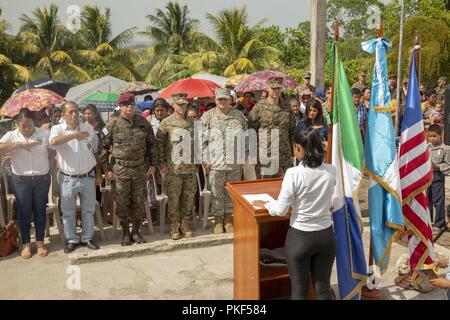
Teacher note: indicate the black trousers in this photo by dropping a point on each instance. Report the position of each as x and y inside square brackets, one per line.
[310, 252]
[436, 195]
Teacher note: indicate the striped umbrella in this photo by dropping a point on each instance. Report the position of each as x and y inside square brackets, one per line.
[258, 81]
[102, 100]
[33, 99]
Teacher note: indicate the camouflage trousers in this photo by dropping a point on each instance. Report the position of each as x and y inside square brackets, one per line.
[221, 202]
[181, 189]
[130, 191]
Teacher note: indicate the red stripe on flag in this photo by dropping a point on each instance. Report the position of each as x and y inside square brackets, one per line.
[417, 185]
[411, 215]
[417, 254]
[414, 164]
[411, 143]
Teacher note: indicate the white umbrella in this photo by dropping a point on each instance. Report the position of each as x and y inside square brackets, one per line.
[211, 77]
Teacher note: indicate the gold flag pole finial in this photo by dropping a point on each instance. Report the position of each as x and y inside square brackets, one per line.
[380, 29]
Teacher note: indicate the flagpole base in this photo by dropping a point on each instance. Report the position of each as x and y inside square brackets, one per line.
[371, 294]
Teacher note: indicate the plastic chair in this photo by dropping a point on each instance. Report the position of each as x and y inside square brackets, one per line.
[10, 197]
[161, 204]
[53, 208]
[204, 199]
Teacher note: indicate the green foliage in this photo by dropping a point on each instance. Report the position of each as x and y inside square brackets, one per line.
[353, 16]
[435, 45]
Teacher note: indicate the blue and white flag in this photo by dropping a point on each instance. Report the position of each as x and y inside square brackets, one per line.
[386, 218]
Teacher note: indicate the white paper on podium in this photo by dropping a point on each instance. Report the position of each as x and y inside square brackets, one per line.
[254, 197]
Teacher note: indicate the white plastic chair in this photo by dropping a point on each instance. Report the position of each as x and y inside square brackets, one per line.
[10, 197]
[52, 207]
[204, 199]
[161, 204]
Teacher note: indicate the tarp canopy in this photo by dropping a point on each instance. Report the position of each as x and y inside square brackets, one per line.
[106, 84]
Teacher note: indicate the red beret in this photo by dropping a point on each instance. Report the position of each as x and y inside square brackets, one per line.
[125, 97]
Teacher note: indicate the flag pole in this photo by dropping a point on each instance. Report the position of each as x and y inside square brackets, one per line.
[399, 70]
[417, 56]
[333, 73]
[366, 293]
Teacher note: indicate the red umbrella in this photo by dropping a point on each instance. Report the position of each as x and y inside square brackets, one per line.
[33, 99]
[193, 87]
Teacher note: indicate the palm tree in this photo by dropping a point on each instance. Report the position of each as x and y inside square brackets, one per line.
[8, 69]
[98, 43]
[237, 49]
[52, 43]
[171, 32]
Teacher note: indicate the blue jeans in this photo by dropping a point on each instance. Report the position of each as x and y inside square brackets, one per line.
[31, 198]
[70, 188]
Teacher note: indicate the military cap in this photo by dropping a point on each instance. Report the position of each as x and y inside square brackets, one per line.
[223, 93]
[392, 76]
[125, 98]
[363, 72]
[406, 80]
[276, 82]
[442, 79]
[307, 75]
[180, 98]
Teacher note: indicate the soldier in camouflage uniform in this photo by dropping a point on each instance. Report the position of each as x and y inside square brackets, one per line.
[273, 113]
[216, 123]
[128, 157]
[440, 90]
[181, 183]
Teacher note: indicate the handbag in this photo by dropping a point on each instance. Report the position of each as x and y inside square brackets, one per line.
[9, 239]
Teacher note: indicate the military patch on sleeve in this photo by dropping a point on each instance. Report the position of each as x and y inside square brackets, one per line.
[105, 131]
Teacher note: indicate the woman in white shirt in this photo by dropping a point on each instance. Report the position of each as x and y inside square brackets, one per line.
[31, 177]
[310, 243]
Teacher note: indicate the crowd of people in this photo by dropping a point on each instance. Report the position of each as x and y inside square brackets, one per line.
[78, 151]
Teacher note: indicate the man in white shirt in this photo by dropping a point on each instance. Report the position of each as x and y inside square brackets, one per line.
[76, 145]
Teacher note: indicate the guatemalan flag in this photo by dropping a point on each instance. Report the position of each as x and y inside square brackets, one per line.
[416, 175]
[347, 157]
[386, 217]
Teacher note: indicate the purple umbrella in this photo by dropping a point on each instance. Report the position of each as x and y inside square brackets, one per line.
[258, 81]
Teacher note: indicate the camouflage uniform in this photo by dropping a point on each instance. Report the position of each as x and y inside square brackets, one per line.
[132, 146]
[440, 92]
[222, 172]
[266, 116]
[181, 184]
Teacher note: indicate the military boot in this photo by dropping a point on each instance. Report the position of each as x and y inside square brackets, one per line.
[135, 233]
[185, 229]
[218, 225]
[126, 240]
[175, 230]
[228, 220]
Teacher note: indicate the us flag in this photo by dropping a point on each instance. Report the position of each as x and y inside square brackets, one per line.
[416, 174]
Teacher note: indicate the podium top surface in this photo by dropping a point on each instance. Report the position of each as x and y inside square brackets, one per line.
[271, 187]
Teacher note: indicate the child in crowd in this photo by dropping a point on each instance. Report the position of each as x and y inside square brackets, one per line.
[440, 159]
[437, 115]
[442, 283]
[192, 113]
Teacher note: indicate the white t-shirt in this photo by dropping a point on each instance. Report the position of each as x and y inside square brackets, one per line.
[76, 156]
[29, 163]
[309, 192]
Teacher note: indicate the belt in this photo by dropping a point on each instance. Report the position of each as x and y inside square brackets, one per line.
[79, 176]
[129, 163]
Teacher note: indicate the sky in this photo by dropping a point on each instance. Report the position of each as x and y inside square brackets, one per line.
[132, 13]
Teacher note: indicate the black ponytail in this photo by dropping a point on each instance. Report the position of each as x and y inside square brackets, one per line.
[310, 140]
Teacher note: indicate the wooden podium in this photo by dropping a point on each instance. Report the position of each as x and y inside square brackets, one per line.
[255, 229]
